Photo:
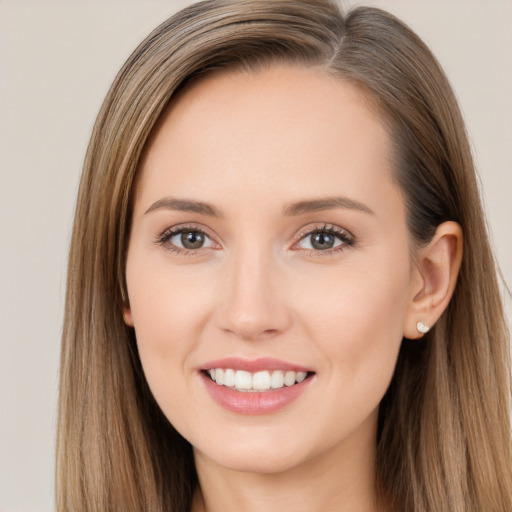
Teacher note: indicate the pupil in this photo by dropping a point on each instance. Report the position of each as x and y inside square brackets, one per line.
[192, 240]
[322, 240]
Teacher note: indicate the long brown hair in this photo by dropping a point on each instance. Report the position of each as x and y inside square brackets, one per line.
[444, 438]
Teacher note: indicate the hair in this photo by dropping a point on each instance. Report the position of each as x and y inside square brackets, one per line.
[444, 438]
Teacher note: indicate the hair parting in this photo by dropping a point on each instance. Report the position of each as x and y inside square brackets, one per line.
[444, 440]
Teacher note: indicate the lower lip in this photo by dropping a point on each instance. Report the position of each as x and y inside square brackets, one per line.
[252, 403]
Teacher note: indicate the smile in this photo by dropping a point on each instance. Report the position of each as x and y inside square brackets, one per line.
[260, 386]
[260, 381]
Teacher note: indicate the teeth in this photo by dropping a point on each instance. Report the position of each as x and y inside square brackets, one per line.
[259, 381]
[277, 379]
[243, 380]
[301, 376]
[289, 378]
[219, 376]
[229, 378]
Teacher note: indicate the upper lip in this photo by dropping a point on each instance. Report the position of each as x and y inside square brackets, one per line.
[253, 365]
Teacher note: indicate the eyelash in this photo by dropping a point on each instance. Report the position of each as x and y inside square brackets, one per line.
[347, 239]
[165, 236]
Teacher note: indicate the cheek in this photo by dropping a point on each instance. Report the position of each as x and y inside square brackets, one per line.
[356, 327]
[357, 322]
[165, 300]
[168, 310]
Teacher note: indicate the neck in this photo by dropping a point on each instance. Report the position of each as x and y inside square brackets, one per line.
[340, 480]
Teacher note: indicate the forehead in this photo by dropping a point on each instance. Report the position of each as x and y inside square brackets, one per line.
[288, 129]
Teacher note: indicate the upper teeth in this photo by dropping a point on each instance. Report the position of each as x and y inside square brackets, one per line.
[259, 381]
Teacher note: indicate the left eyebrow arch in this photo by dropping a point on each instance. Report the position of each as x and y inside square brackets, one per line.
[185, 205]
[327, 203]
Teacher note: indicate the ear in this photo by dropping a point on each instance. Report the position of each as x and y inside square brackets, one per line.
[435, 272]
[127, 315]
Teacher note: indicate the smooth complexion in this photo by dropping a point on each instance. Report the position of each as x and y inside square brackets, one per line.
[250, 171]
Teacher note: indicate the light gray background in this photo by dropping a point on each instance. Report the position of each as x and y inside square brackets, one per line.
[56, 63]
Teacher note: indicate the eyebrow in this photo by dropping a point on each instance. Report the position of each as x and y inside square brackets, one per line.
[327, 203]
[185, 205]
[298, 208]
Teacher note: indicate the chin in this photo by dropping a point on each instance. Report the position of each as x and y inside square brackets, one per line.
[256, 462]
[264, 456]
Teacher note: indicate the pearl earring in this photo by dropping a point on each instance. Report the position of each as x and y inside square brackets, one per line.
[422, 327]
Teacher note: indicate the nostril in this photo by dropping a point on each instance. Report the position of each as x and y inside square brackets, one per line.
[252, 332]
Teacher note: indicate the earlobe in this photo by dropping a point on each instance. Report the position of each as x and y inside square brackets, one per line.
[127, 315]
[436, 268]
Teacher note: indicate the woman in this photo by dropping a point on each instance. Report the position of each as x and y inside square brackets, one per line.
[280, 290]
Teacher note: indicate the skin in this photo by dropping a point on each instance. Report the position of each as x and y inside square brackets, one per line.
[250, 145]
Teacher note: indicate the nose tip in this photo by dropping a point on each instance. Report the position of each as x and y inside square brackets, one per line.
[250, 328]
[253, 303]
[249, 331]
[252, 316]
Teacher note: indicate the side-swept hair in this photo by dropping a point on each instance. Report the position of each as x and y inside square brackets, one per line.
[444, 440]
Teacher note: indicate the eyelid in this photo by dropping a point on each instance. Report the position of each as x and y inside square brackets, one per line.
[164, 237]
[323, 226]
[343, 234]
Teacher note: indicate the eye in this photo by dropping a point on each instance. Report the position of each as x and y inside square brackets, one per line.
[190, 240]
[325, 239]
[185, 239]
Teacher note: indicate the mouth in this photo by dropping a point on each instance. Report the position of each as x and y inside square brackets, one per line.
[255, 387]
[256, 382]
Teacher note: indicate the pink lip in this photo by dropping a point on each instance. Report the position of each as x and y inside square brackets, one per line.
[243, 402]
[256, 365]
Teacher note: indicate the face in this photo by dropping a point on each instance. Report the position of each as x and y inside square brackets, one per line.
[269, 250]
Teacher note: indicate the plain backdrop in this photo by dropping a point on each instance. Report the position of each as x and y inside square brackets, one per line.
[57, 60]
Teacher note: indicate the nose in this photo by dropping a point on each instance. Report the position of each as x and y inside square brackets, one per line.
[253, 303]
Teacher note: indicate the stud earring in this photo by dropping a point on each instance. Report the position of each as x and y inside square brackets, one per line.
[422, 327]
